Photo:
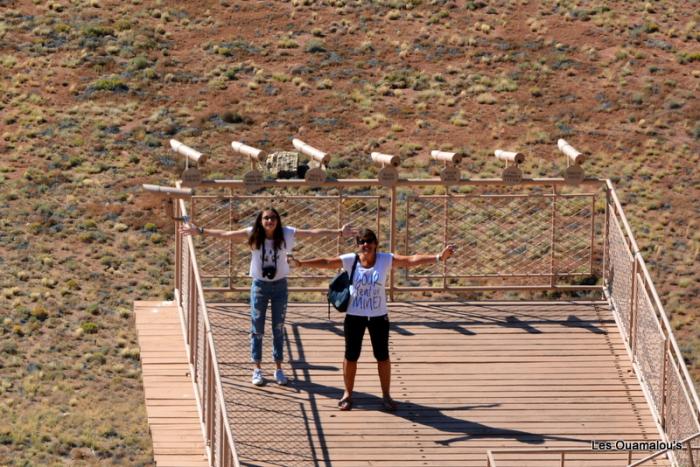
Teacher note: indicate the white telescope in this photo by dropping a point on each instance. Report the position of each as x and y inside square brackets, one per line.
[574, 156]
[253, 153]
[384, 159]
[188, 152]
[449, 157]
[316, 154]
[509, 156]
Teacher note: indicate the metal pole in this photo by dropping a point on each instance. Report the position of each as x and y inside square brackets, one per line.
[178, 256]
[633, 306]
[392, 240]
[690, 454]
[664, 381]
[193, 317]
[444, 237]
[340, 222]
[561, 463]
[230, 241]
[552, 279]
[590, 267]
[606, 240]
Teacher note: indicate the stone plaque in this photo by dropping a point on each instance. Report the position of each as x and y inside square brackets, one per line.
[573, 175]
[512, 175]
[191, 177]
[450, 175]
[315, 176]
[253, 180]
[388, 176]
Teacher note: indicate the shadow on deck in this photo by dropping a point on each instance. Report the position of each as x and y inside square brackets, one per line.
[469, 376]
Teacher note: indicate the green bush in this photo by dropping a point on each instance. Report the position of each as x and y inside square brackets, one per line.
[315, 46]
[40, 313]
[112, 83]
[89, 327]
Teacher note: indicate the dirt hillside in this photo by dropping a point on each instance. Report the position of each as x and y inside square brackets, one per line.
[92, 90]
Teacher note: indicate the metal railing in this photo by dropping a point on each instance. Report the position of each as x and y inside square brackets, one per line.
[689, 448]
[647, 332]
[201, 353]
[558, 455]
[539, 235]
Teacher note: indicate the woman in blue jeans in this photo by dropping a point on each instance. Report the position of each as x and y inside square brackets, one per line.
[269, 242]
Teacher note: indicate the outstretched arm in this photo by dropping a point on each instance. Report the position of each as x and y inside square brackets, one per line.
[345, 231]
[401, 261]
[320, 263]
[191, 229]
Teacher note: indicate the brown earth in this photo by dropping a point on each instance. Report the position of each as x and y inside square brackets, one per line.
[92, 91]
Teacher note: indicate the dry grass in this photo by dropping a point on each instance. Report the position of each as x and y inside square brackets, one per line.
[92, 91]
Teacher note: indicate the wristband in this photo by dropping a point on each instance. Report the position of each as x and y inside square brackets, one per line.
[200, 230]
[437, 258]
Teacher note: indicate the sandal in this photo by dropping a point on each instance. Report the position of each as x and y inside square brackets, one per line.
[345, 404]
[389, 404]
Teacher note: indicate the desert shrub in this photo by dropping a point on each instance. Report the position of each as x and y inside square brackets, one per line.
[89, 327]
[97, 31]
[138, 63]
[40, 313]
[112, 83]
[315, 46]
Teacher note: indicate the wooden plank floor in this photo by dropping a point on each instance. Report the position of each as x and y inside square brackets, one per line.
[470, 377]
[170, 403]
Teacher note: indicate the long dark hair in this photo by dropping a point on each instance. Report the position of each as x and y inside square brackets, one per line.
[257, 236]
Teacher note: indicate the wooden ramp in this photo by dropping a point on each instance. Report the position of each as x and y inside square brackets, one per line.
[469, 376]
[170, 402]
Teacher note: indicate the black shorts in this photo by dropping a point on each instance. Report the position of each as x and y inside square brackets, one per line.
[354, 329]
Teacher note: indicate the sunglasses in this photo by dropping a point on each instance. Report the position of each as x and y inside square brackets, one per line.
[363, 241]
[270, 218]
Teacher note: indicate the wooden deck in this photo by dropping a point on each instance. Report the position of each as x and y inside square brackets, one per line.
[170, 402]
[469, 376]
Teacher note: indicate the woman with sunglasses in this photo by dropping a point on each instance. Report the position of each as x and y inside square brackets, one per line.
[269, 242]
[368, 309]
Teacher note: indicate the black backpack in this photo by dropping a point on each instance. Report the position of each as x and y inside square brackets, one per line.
[339, 290]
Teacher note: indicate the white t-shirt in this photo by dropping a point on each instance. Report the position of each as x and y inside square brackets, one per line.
[367, 293]
[282, 266]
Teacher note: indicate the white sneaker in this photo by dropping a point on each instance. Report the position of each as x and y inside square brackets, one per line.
[258, 377]
[280, 377]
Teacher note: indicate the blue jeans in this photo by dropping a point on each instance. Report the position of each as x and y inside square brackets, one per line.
[262, 292]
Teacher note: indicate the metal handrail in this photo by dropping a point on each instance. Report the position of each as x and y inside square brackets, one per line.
[491, 459]
[641, 285]
[662, 312]
[214, 362]
[663, 451]
[553, 276]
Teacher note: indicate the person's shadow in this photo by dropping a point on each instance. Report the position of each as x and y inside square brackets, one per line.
[437, 418]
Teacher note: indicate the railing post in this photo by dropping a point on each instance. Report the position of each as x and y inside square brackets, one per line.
[606, 240]
[553, 238]
[444, 236]
[633, 306]
[192, 315]
[178, 255]
[561, 464]
[590, 267]
[690, 454]
[230, 241]
[392, 239]
[339, 221]
[664, 389]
